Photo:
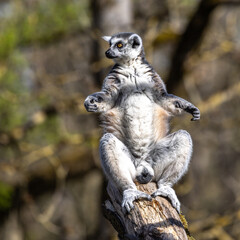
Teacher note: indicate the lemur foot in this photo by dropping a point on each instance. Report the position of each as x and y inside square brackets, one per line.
[168, 192]
[131, 195]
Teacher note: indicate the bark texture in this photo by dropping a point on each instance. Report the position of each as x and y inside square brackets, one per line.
[149, 220]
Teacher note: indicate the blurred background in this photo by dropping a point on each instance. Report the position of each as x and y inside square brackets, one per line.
[52, 57]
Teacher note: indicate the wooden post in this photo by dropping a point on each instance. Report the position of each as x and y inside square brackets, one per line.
[149, 220]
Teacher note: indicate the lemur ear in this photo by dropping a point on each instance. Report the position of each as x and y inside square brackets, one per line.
[135, 40]
[106, 38]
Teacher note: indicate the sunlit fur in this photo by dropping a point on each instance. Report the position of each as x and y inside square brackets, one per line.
[135, 109]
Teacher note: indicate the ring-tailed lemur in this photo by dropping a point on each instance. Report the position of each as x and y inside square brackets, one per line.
[135, 109]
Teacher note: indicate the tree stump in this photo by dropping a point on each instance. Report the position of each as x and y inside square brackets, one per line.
[149, 220]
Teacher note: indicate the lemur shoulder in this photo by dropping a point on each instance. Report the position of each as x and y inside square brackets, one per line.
[135, 110]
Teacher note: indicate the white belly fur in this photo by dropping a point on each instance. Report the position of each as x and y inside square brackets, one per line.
[138, 122]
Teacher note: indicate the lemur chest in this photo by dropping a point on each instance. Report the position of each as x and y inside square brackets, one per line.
[135, 85]
[137, 103]
[137, 80]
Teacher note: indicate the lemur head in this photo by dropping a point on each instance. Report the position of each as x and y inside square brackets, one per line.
[124, 47]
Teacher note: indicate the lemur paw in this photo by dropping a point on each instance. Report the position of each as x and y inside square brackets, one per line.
[190, 109]
[194, 111]
[196, 114]
[91, 102]
[131, 195]
[168, 192]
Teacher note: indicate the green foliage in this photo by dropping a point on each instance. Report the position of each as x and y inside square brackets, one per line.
[6, 192]
[185, 225]
[41, 23]
[29, 23]
[12, 93]
[8, 40]
[46, 133]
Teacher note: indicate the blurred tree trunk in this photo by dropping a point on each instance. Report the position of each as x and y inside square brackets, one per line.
[109, 17]
[149, 220]
[191, 38]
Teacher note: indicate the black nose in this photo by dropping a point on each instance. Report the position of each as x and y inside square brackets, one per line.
[109, 54]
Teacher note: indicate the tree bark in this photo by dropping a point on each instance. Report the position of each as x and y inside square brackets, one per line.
[149, 220]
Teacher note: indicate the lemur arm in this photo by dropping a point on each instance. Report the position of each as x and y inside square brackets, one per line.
[171, 103]
[104, 100]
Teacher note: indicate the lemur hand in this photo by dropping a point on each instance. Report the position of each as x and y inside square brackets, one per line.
[190, 108]
[92, 101]
[195, 112]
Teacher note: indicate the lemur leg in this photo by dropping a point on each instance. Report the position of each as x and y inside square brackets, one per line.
[170, 161]
[119, 169]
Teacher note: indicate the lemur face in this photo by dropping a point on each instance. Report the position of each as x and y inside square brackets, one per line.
[123, 46]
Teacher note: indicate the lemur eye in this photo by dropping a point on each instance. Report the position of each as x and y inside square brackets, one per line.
[119, 45]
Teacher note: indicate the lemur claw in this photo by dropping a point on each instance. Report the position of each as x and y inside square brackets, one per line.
[130, 195]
